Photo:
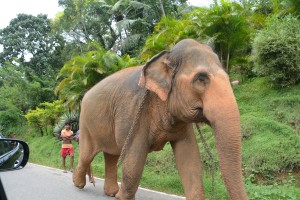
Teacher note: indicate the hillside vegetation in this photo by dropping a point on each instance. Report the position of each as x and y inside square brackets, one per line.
[271, 147]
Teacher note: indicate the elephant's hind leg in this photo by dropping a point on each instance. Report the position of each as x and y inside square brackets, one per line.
[111, 186]
[86, 155]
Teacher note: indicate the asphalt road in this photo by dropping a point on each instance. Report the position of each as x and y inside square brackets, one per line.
[36, 182]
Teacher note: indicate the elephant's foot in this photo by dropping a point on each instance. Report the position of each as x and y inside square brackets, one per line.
[79, 178]
[122, 195]
[111, 189]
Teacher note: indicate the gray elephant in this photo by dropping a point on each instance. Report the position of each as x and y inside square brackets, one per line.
[173, 90]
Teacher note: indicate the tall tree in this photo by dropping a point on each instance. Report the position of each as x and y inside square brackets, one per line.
[139, 19]
[29, 39]
[85, 21]
[119, 25]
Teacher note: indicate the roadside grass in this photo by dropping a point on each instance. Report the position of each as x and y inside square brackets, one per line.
[270, 125]
[270, 120]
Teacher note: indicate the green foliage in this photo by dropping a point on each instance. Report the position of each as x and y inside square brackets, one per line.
[10, 118]
[287, 110]
[82, 72]
[29, 39]
[271, 137]
[86, 21]
[276, 146]
[227, 27]
[270, 192]
[278, 7]
[18, 95]
[14, 88]
[292, 6]
[166, 34]
[242, 67]
[277, 51]
[122, 25]
[139, 19]
[45, 115]
[285, 7]
[30, 59]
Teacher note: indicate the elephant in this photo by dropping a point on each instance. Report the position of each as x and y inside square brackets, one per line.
[158, 103]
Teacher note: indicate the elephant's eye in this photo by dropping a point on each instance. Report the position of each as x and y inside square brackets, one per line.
[203, 77]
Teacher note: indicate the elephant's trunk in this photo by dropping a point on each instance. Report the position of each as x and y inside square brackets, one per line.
[228, 142]
[221, 110]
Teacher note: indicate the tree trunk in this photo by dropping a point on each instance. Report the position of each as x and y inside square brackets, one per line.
[227, 60]
[162, 8]
[41, 131]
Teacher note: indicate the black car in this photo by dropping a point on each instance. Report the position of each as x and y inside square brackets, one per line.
[14, 155]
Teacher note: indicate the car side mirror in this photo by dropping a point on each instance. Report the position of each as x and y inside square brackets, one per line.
[14, 154]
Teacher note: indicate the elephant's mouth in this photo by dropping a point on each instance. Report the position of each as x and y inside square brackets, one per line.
[198, 115]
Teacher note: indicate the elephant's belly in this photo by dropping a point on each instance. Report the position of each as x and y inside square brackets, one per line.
[158, 141]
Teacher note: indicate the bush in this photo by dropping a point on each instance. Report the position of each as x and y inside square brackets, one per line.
[45, 115]
[277, 51]
[10, 119]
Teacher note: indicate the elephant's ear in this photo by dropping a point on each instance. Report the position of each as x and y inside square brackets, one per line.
[157, 75]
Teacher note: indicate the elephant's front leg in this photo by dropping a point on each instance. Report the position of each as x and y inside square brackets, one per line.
[80, 173]
[132, 170]
[188, 163]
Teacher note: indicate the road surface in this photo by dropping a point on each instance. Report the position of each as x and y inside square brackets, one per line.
[36, 182]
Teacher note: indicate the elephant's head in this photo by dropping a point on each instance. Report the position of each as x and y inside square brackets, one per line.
[191, 80]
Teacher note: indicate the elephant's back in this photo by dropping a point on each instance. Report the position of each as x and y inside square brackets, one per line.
[110, 106]
[118, 84]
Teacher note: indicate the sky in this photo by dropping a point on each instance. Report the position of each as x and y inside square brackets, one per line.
[10, 8]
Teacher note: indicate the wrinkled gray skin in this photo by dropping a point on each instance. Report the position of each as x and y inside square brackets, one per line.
[186, 85]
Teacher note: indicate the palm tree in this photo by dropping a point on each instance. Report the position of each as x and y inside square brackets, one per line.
[166, 34]
[226, 25]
